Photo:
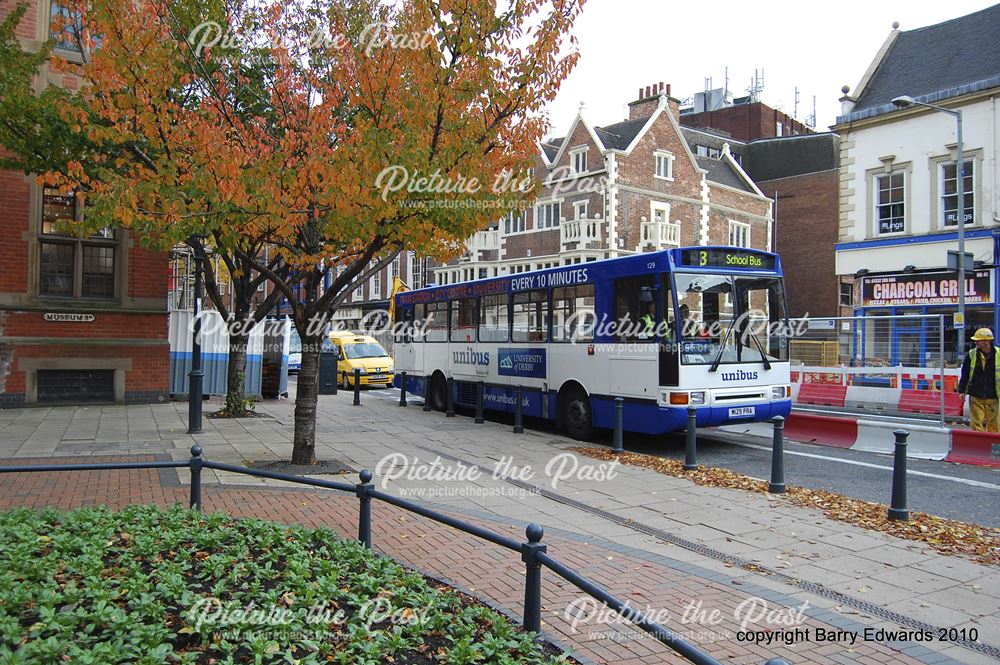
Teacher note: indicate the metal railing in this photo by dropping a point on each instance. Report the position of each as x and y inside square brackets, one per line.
[533, 552]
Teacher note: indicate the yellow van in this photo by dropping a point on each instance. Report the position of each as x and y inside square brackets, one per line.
[364, 353]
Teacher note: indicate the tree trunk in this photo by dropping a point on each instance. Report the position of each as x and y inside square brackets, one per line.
[236, 373]
[304, 439]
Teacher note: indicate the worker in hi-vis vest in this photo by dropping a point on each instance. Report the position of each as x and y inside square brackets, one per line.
[981, 381]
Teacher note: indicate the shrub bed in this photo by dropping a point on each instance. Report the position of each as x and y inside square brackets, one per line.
[148, 586]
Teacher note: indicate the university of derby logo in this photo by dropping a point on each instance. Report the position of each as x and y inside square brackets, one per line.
[506, 363]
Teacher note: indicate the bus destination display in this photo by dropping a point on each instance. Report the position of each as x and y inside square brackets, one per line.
[726, 258]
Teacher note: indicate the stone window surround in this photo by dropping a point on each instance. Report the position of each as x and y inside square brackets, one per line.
[935, 162]
[889, 165]
[34, 237]
[31, 366]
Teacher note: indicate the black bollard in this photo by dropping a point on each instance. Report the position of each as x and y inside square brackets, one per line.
[518, 397]
[479, 404]
[451, 398]
[619, 407]
[777, 484]
[402, 388]
[691, 449]
[897, 506]
[357, 386]
[363, 491]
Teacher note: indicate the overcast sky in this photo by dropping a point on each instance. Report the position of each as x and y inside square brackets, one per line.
[625, 44]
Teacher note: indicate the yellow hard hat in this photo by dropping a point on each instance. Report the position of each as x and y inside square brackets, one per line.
[983, 334]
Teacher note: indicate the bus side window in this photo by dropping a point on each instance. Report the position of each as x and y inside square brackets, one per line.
[463, 320]
[437, 322]
[528, 318]
[573, 313]
[418, 323]
[493, 318]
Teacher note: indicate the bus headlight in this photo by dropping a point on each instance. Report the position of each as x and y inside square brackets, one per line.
[698, 397]
[780, 392]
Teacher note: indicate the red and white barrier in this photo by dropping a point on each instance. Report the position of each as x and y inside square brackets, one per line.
[925, 441]
[838, 387]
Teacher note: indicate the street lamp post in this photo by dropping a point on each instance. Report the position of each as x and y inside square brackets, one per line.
[196, 376]
[905, 101]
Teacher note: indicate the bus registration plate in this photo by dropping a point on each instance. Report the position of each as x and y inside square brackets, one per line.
[741, 412]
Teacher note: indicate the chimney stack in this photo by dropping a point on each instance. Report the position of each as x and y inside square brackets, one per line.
[649, 101]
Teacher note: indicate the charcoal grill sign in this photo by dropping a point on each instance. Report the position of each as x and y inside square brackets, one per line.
[925, 289]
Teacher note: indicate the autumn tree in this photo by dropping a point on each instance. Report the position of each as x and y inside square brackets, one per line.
[334, 150]
[40, 134]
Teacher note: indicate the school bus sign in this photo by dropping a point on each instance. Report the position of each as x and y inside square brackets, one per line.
[939, 288]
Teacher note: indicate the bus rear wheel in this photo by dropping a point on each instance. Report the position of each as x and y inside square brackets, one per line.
[437, 393]
[577, 416]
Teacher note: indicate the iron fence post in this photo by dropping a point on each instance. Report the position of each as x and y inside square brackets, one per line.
[479, 404]
[357, 386]
[619, 408]
[402, 388]
[777, 484]
[897, 505]
[533, 578]
[518, 398]
[363, 492]
[195, 465]
[450, 411]
[691, 448]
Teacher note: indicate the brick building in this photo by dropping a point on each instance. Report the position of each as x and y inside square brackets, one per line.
[632, 186]
[746, 120]
[81, 319]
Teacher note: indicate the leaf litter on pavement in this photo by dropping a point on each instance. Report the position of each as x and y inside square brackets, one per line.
[980, 543]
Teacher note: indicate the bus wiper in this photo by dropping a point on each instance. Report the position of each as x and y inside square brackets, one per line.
[722, 348]
[763, 355]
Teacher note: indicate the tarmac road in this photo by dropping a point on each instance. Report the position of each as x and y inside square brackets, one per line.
[956, 491]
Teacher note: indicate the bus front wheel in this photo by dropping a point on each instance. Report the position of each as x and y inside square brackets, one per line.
[577, 416]
[438, 393]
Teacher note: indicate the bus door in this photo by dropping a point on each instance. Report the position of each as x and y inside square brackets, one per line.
[468, 363]
[632, 364]
[407, 353]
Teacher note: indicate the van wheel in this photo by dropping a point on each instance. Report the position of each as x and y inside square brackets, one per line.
[437, 394]
[577, 416]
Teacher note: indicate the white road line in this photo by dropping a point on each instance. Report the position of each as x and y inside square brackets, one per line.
[964, 481]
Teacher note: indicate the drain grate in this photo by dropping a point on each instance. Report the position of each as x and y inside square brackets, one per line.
[811, 587]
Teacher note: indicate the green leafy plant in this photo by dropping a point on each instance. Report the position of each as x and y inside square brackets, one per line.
[96, 586]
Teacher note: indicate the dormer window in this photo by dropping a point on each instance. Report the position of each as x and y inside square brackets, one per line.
[578, 158]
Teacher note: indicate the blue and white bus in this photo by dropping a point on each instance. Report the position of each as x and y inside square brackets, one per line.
[694, 326]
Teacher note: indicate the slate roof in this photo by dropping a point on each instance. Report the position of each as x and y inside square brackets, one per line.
[721, 172]
[551, 147]
[937, 57]
[619, 136]
[768, 159]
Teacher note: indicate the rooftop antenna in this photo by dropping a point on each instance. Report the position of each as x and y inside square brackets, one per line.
[756, 85]
[811, 120]
[795, 107]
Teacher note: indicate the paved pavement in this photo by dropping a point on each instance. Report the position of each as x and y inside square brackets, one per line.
[660, 542]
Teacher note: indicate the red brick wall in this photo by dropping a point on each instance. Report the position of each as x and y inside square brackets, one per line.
[26, 28]
[15, 198]
[746, 122]
[807, 218]
[147, 272]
